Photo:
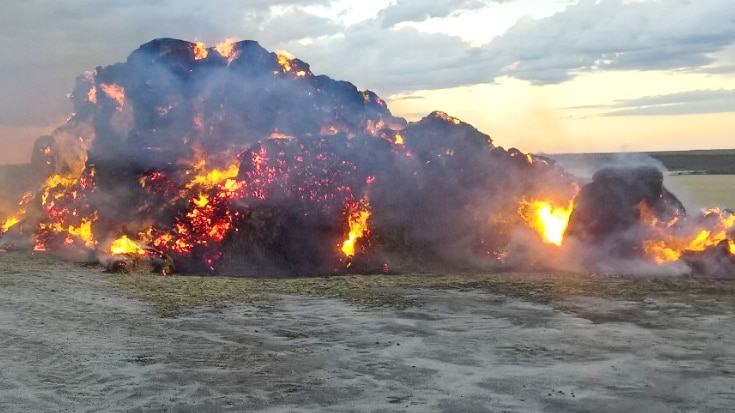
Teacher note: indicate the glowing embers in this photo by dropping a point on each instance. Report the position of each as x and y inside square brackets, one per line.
[67, 216]
[548, 220]
[669, 241]
[358, 214]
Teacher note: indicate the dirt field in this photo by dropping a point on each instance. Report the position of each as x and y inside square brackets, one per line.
[76, 339]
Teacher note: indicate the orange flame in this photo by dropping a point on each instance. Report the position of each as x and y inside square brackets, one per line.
[284, 59]
[114, 92]
[125, 245]
[200, 51]
[92, 95]
[359, 213]
[227, 50]
[83, 232]
[548, 220]
[666, 245]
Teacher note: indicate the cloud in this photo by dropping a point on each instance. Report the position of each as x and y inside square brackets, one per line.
[421, 10]
[297, 24]
[394, 61]
[614, 35]
[683, 103]
[47, 44]
[590, 36]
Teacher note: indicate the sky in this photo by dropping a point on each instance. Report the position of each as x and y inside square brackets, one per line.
[543, 76]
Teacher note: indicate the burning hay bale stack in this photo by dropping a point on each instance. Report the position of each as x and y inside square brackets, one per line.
[235, 160]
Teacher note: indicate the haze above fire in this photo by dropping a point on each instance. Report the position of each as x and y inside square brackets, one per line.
[481, 61]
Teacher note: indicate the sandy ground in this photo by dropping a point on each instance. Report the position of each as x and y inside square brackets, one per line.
[71, 340]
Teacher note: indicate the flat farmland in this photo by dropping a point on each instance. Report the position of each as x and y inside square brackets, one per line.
[703, 191]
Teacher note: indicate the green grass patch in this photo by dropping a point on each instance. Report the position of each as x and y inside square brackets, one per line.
[171, 295]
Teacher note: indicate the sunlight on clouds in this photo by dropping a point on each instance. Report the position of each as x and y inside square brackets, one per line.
[349, 12]
[569, 117]
[482, 25]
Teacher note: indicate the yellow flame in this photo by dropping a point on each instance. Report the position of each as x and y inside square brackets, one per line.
[358, 223]
[231, 185]
[227, 50]
[83, 232]
[284, 59]
[201, 201]
[399, 139]
[548, 220]
[125, 245]
[214, 177]
[9, 223]
[54, 181]
[665, 246]
[200, 51]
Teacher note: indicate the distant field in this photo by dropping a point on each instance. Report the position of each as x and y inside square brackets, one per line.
[717, 162]
[703, 191]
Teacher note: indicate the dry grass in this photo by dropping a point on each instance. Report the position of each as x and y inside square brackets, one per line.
[171, 295]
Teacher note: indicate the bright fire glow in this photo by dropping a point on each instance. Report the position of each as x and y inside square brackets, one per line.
[548, 220]
[399, 139]
[214, 177]
[227, 50]
[83, 232]
[667, 246]
[114, 92]
[200, 51]
[443, 115]
[92, 95]
[284, 59]
[10, 222]
[125, 245]
[359, 214]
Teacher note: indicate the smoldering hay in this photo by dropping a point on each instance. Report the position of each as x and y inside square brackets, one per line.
[236, 160]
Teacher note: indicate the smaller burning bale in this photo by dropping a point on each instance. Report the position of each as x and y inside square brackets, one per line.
[608, 210]
[149, 260]
[715, 261]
